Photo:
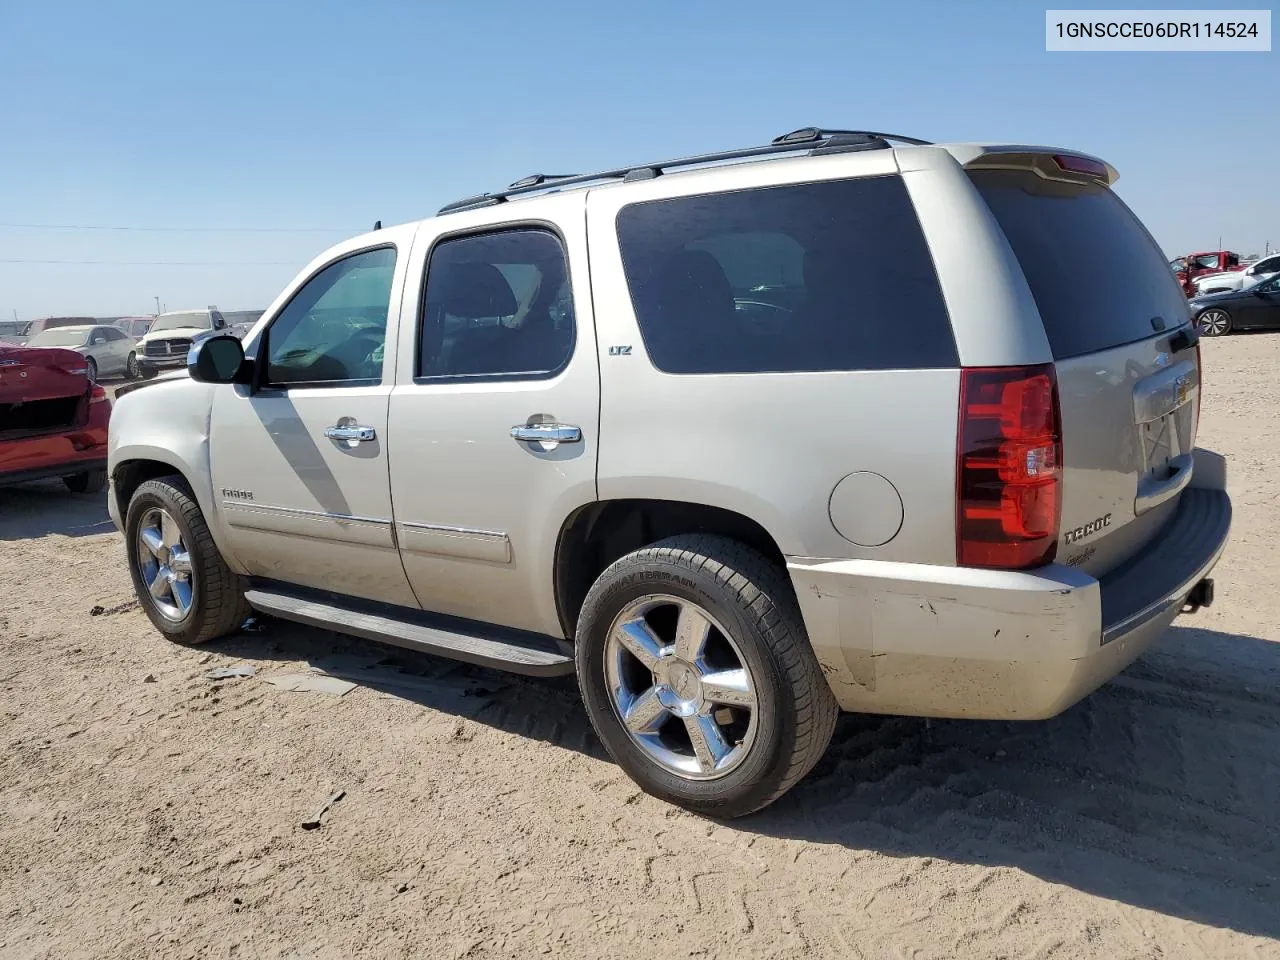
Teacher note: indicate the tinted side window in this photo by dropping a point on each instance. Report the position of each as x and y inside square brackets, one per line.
[818, 276]
[1097, 276]
[334, 328]
[497, 304]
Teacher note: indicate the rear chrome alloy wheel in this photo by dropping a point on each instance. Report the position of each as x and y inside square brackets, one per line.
[165, 564]
[1214, 323]
[681, 687]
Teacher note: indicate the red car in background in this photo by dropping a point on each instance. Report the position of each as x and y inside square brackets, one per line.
[53, 419]
[1193, 265]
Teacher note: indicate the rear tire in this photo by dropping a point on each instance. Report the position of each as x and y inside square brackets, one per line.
[755, 633]
[181, 580]
[131, 369]
[1214, 322]
[91, 481]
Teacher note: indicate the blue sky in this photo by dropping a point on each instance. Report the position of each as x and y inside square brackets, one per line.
[325, 116]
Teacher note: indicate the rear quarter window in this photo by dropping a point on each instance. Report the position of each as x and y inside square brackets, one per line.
[1097, 276]
[822, 276]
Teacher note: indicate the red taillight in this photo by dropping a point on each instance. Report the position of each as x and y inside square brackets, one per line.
[1085, 165]
[97, 394]
[1009, 469]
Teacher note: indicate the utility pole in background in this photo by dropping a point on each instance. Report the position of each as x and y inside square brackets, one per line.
[157, 306]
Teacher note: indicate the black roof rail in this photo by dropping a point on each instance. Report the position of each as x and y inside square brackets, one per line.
[535, 179]
[811, 134]
[816, 140]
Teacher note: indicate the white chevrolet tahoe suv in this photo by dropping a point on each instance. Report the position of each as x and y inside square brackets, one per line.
[657, 427]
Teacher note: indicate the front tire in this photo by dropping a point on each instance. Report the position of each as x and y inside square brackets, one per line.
[1214, 322]
[92, 364]
[178, 574]
[697, 675]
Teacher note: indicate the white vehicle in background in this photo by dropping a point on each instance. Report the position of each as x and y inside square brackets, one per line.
[107, 350]
[1256, 272]
[165, 344]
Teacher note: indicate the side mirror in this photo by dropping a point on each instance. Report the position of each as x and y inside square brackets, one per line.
[215, 360]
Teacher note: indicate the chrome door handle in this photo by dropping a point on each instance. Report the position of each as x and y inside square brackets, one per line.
[546, 433]
[351, 434]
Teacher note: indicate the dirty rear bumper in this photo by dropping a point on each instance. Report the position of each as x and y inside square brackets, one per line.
[57, 453]
[957, 642]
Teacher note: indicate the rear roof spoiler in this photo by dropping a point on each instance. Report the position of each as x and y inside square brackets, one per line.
[1053, 163]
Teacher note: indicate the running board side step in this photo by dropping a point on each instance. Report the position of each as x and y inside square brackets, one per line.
[514, 651]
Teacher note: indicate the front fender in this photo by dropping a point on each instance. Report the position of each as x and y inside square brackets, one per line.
[168, 424]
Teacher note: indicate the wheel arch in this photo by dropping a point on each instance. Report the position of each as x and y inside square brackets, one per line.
[133, 466]
[598, 533]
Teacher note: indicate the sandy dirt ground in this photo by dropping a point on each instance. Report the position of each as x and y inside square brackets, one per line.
[146, 811]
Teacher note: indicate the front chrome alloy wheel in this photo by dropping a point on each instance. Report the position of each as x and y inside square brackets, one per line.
[1214, 323]
[681, 687]
[165, 564]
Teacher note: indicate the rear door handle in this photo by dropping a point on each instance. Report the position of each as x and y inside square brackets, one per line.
[546, 433]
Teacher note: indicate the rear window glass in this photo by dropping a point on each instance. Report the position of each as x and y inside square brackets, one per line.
[198, 319]
[59, 337]
[818, 276]
[1098, 278]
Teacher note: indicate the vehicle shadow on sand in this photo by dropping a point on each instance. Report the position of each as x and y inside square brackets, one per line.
[547, 709]
[33, 510]
[1159, 790]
